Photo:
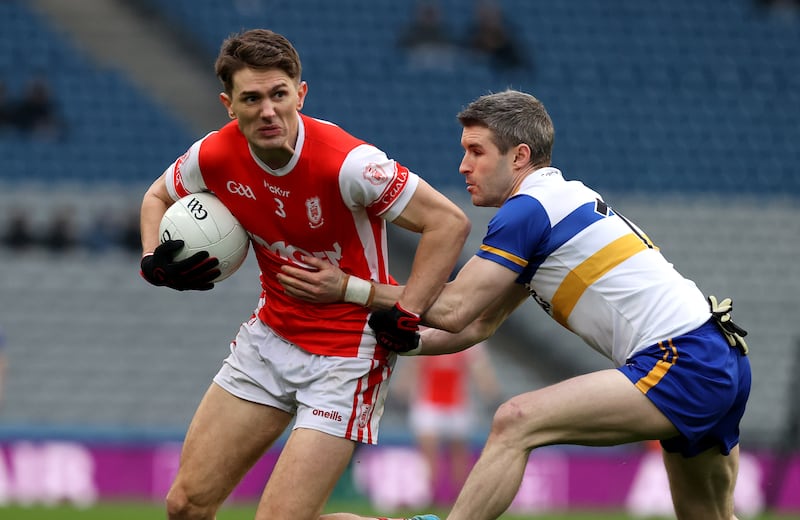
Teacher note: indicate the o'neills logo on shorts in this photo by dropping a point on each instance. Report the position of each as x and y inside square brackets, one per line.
[333, 415]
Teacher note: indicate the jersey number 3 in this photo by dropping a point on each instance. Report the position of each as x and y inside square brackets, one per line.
[279, 211]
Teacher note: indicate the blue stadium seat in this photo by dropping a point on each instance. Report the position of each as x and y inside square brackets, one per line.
[114, 133]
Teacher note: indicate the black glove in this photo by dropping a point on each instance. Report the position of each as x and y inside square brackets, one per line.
[396, 329]
[194, 273]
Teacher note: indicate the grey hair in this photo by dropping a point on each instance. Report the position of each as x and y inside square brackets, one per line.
[514, 118]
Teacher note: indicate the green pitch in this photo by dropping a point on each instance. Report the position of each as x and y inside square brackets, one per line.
[139, 511]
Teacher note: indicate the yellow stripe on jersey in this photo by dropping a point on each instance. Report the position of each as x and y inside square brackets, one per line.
[505, 254]
[589, 271]
[660, 369]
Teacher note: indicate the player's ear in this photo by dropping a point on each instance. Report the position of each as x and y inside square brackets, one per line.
[522, 155]
[302, 90]
[226, 102]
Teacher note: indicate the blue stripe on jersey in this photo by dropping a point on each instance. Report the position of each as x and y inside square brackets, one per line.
[516, 233]
[579, 219]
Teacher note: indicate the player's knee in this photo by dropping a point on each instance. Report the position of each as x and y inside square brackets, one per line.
[180, 506]
[508, 421]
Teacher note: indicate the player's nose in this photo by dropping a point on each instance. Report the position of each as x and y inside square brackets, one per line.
[267, 109]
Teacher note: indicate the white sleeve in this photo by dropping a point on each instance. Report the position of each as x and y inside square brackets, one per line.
[184, 176]
[369, 180]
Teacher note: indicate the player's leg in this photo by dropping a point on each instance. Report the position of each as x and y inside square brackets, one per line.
[428, 444]
[428, 422]
[225, 438]
[702, 486]
[598, 409]
[460, 461]
[340, 402]
[310, 464]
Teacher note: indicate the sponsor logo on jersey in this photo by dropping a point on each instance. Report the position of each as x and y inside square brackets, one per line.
[294, 254]
[396, 186]
[178, 176]
[333, 415]
[241, 189]
[275, 190]
[314, 212]
[374, 174]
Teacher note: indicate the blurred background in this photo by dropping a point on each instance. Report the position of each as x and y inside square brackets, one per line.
[684, 114]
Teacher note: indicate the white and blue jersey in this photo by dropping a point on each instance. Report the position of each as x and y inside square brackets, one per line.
[601, 277]
[592, 270]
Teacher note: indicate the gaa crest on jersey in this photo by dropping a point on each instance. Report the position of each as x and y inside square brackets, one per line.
[374, 174]
[314, 212]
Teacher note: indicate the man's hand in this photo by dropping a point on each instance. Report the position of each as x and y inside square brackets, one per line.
[322, 282]
[397, 329]
[194, 273]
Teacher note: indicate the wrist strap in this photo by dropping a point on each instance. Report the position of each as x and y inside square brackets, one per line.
[404, 311]
[359, 291]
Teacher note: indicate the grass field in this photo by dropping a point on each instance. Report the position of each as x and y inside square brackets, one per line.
[138, 511]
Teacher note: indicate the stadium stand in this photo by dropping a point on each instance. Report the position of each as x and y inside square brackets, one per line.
[686, 114]
[689, 96]
[114, 132]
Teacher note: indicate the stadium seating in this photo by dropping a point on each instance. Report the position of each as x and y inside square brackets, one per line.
[114, 133]
[692, 96]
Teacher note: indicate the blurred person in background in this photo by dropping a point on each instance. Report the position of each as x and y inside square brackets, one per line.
[18, 235]
[682, 374]
[299, 186]
[490, 36]
[37, 113]
[442, 412]
[427, 39]
[61, 235]
[6, 109]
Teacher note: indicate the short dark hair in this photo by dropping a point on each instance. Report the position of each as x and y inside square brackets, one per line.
[514, 118]
[257, 49]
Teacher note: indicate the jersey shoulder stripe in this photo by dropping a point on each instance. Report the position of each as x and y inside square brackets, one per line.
[505, 255]
[574, 223]
[515, 232]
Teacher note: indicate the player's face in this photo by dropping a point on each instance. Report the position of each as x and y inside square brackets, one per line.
[488, 173]
[266, 105]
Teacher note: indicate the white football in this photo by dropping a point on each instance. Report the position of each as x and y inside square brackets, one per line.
[205, 224]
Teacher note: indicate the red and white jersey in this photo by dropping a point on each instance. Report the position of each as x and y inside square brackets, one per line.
[444, 380]
[332, 201]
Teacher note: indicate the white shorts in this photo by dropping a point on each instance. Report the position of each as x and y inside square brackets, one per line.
[447, 422]
[341, 396]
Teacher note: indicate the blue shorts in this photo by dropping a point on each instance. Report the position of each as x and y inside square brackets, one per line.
[699, 383]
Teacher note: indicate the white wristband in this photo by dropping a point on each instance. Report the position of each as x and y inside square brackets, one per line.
[359, 291]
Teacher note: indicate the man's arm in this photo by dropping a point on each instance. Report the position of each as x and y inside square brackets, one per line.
[471, 307]
[155, 202]
[326, 283]
[443, 229]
